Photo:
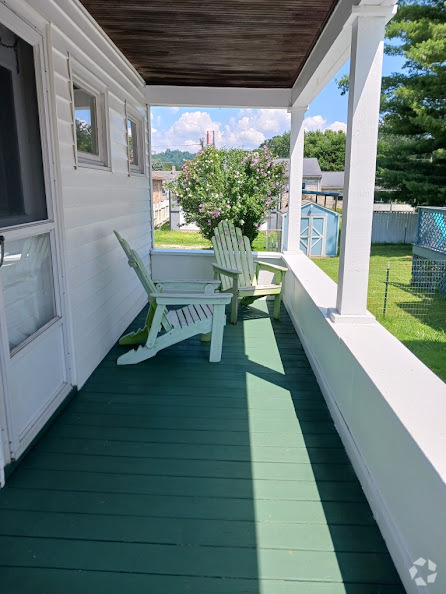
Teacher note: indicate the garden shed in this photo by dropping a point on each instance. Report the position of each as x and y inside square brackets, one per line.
[319, 230]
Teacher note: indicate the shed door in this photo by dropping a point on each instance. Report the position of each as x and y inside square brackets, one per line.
[312, 235]
[32, 352]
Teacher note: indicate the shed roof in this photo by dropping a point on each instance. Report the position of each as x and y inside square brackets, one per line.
[317, 206]
[229, 43]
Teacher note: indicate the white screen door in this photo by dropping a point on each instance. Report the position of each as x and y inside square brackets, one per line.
[32, 353]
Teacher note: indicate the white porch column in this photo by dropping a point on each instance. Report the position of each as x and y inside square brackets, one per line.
[295, 179]
[360, 162]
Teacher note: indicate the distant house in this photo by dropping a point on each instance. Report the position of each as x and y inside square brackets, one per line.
[312, 176]
[168, 176]
[157, 183]
[161, 202]
[312, 173]
[332, 181]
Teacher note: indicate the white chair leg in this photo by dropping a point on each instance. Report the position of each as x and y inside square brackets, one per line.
[218, 324]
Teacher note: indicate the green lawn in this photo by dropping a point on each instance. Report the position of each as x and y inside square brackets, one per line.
[417, 320]
[164, 238]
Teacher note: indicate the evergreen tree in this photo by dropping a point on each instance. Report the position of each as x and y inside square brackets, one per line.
[412, 148]
[411, 161]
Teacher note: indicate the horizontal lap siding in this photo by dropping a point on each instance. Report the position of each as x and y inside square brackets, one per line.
[104, 292]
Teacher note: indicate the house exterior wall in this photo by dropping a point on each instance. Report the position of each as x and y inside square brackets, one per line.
[157, 190]
[103, 294]
[312, 183]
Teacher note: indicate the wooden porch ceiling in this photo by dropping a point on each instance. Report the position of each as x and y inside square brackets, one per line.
[232, 43]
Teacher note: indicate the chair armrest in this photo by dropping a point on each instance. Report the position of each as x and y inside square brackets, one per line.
[191, 298]
[231, 272]
[188, 285]
[271, 267]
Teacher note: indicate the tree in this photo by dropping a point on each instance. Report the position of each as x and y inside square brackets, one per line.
[279, 145]
[328, 147]
[221, 184]
[168, 158]
[411, 160]
[84, 137]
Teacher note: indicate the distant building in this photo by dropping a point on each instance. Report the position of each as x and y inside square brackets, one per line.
[332, 181]
[157, 184]
[312, 176]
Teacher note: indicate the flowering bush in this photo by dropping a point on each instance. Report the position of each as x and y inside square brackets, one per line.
[220, 184]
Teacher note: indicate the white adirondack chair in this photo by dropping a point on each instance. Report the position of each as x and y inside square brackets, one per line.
[239, 272]
[204, 313]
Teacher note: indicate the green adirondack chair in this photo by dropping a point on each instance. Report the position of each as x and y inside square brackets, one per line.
[203, 314]
[239, 272]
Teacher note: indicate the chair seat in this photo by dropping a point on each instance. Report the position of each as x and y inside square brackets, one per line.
[189, 315]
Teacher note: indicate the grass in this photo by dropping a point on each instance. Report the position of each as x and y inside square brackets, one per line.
[164, 238]
[418, 320]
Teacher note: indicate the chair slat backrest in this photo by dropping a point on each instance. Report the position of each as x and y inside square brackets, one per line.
[137, 264]
[221, 257]
[233, 250]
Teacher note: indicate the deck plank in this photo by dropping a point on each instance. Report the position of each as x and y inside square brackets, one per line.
[225, 478]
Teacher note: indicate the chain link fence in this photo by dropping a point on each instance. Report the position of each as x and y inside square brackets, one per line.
[409, 287]
[273, 240]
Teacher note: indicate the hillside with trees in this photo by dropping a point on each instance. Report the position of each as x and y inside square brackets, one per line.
[163, 161]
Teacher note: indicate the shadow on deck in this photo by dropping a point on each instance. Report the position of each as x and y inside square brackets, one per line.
[177, 475]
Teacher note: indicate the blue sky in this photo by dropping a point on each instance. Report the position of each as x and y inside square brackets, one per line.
[181, 128]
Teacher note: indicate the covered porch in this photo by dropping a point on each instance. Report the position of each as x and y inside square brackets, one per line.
[264, 473]
[180, 476]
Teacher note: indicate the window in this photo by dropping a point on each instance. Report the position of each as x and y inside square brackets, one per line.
[90, 114]
[22, 185]
[135, 130]
[85, 114]
[28, 288]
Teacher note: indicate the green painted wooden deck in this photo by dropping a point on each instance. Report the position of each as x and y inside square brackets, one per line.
[178, 475]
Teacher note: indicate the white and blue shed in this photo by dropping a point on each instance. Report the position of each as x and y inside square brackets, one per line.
[319, 230]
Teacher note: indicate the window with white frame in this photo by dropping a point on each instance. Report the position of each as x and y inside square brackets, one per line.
[135, 140]
[90, 119]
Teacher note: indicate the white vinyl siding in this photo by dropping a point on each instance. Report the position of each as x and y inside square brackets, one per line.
[103, 292]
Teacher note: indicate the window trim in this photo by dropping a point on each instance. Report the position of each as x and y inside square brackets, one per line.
[85, 79]
[132, 114]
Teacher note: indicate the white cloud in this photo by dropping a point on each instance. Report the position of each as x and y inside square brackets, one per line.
[316, 122]
[185, 133]
[174, 109]
[248, 129]
[336, 126]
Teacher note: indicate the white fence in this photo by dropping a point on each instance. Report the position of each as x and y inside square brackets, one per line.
[160, 212]
[394, 227]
